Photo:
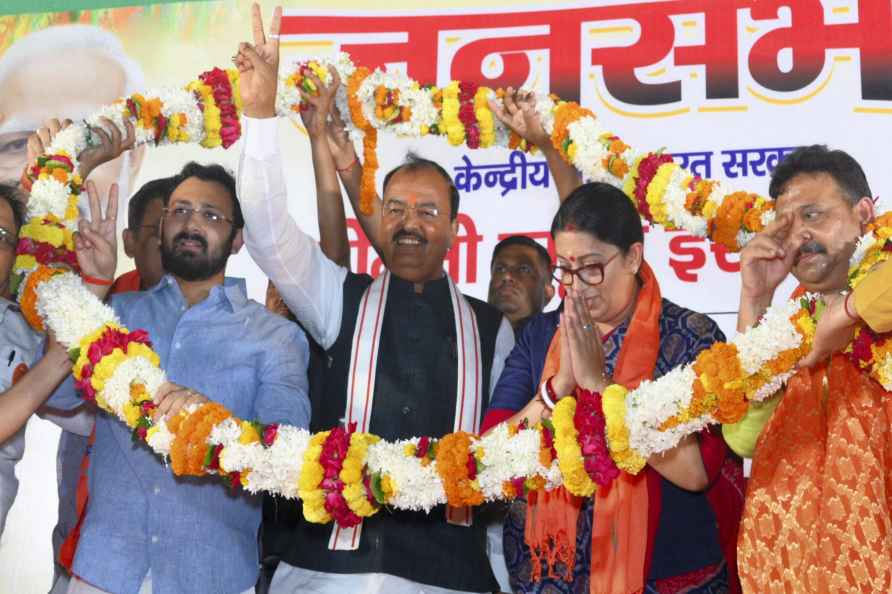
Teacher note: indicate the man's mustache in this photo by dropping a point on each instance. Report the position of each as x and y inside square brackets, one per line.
[403, 234]
[810, 247]
[186, 236]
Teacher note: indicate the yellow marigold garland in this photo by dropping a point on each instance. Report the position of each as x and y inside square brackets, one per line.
[485, 118]
[353, 474]
[309, 484]
[566, 442]
[451, 124]
[614, 403]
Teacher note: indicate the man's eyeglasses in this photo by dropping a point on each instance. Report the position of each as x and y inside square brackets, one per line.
[153, 229]
[398, 210]
[590, 274]
[184, 213]
[521, 270]
[8, 239]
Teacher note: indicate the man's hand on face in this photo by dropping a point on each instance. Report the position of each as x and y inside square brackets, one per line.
[258, 66]
[765, 262]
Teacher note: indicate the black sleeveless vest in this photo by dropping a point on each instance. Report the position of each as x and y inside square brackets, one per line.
[414, 396]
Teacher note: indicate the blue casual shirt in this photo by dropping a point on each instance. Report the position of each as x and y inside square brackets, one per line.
[195, 535]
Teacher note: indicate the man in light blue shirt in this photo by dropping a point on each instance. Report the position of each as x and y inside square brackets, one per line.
[146, 530]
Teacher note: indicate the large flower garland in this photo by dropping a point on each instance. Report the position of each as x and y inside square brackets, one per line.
[664, 193]
[342, 475]
[753, 366]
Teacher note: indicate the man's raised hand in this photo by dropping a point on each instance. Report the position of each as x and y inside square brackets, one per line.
[258, 66]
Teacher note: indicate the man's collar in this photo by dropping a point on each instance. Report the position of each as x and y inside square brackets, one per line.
[233, 290]
[436, 285]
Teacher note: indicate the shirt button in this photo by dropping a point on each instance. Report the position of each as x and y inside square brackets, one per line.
[177, 345]
[157, 489]
[406, 410]
[154, 539]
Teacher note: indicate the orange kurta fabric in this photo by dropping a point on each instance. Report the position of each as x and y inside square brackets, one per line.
[817, 517]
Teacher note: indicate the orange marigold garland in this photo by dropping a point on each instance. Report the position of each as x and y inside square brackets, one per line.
[28, 294]
[367, 191]
[457, 467]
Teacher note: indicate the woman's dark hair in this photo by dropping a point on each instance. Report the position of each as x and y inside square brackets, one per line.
[602, 211]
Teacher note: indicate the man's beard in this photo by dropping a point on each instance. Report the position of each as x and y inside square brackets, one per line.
[191, 266]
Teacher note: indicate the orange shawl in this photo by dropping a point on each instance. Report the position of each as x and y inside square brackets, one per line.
[817, 517]
[620, 532]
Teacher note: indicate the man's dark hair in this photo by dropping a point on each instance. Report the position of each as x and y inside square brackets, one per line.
[602, 211]
[415, 163]
[157, 189]
[211, 173]
[14, 198]
[524, 241]
[817, 158]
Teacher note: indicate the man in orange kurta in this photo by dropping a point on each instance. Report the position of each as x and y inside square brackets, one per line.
[817, 517]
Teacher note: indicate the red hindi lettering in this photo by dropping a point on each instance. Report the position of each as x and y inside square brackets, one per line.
[718, 53]
[362, 246]
[470, 239]
[687, 245]
[809, 38]
[414, 42]
[656, 41]
[722, 259]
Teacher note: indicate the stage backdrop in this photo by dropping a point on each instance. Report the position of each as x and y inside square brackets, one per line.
[727, 86]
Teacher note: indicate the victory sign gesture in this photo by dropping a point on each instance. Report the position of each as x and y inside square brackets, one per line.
[258, 66]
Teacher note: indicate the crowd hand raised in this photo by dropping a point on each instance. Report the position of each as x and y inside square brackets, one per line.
[108, 143]
[316, 108]
[586, 347]
[765, 262]
[42, 138]
[258, 66]
[834, 331]
[95, 241]
[517, 111]
[171, 398]
[339, 141]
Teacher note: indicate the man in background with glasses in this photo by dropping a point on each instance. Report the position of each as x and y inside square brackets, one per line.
[142, 240]
[146, 530]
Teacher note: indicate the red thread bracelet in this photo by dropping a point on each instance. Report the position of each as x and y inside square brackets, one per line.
[100, 282]
[348, 167]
